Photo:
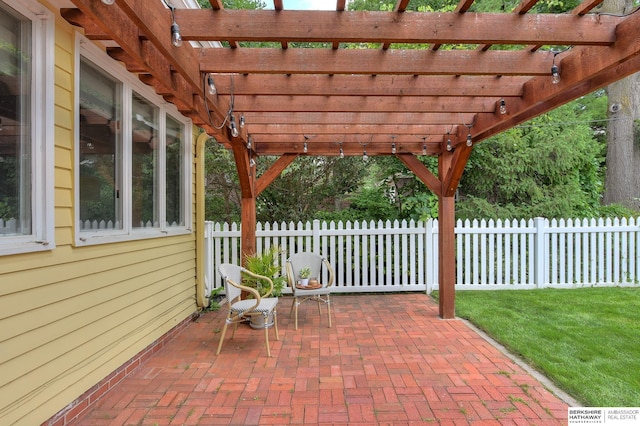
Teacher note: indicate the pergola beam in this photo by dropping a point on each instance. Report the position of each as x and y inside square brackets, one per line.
[370, 85]
[380, 27]
[340, 131]
[389, 104]
[378, 62]
[354, 118]
[351, 148]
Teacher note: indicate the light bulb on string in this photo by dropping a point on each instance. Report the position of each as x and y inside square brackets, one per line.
[341, 153]
[176, 38]
[503, 106]
[211, 85]
[234, 129]
[555, 74]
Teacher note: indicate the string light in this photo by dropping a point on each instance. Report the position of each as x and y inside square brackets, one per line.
[393, 148]
[555, 74]
[234, 129]
[211, 85]
[305, 147]
[176, 38]
[249, 142]
[339, 145]
[424, 149]
[449, 145]
[365, 157]
[241, 121]
[503, 106]
[469, 139]
[555, 71]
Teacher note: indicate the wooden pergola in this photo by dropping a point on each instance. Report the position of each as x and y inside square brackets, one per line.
[389, 83]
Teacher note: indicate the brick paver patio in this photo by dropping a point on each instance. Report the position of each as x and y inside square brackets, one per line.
[389, 359]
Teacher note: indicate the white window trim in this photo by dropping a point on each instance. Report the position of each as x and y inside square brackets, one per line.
[42, 235]
[87, 49]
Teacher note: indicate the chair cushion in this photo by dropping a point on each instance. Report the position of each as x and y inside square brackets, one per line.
[302, 292]
[266, 305]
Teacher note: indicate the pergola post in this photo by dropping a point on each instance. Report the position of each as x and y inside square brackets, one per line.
[246, 178]
[248, 226]
[446, 257]
[451, 165]
[251, 187]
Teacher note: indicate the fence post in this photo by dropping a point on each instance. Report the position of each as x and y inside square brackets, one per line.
[429, 258]
[541, 255]
[315, 240]
[208, 258]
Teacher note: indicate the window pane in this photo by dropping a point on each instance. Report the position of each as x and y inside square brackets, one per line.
[100, 150]
[15, 122]
[145, 179]
[175, 173]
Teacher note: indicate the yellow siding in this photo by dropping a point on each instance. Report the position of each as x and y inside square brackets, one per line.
[73, 315]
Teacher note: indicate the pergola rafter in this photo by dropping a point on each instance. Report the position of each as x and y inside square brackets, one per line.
[415, 79]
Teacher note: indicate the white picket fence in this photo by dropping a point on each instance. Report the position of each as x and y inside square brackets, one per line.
[403, 256]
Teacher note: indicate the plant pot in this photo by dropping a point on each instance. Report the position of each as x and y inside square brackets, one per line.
[304, 282]
[257, 321]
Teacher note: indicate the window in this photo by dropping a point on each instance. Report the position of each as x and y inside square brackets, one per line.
[100, 149]
[26, 127]
[131, 156]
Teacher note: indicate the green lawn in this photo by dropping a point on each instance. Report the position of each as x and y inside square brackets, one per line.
[586, 340]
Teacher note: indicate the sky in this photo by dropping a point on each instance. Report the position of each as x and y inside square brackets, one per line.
[309, 4]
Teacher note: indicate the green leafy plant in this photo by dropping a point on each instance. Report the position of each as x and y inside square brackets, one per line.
[214, 304]
[265, 264]
[304, 272]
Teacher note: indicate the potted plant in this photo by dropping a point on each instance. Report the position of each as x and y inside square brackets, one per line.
[303, 275]
[265, 264]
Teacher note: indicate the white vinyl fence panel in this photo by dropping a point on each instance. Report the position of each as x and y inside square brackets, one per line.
[403, 256]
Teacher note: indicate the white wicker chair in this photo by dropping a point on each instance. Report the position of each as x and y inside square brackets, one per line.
[320, 295]
[244, 310]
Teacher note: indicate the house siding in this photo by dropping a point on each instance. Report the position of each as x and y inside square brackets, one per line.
[74, 316]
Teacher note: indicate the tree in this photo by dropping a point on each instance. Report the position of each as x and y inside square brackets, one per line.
[622, 182]
[222, 188]
[548, 167]
[309, 185]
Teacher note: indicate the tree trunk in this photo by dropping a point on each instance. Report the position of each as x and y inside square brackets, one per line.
[622, 178]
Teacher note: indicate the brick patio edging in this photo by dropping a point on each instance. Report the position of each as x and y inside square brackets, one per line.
[74, 409]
